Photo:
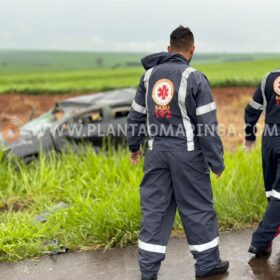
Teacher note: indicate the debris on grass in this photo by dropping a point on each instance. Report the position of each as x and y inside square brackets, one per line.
[54, 248]
[43, 217]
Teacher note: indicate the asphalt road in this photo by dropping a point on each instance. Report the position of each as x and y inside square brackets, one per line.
[120, 264]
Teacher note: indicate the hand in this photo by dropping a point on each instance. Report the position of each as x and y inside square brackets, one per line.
[135, 157]
[249, 145]
[218, 174]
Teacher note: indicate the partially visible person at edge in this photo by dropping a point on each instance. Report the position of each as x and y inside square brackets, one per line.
[175, 98]
[266, 99]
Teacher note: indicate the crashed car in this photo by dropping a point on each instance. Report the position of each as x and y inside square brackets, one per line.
[90, 118]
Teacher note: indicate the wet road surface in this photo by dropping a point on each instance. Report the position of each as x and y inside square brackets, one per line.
[120, 264]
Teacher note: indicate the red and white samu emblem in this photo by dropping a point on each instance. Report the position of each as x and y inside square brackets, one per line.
[163, 92]
[277, 86]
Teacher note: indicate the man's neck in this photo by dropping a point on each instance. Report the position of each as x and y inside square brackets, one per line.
[186, 55]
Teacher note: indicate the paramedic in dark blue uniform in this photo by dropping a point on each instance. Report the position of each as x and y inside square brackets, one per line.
[267, 99]
[174, 102]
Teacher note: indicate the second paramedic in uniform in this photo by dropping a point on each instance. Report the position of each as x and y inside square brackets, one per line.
[267, 99]
[174, 102]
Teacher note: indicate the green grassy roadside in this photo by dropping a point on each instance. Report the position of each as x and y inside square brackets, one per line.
[102, 195]
[242, 73]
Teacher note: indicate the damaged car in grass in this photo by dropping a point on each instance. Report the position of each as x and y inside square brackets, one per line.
[98, 119]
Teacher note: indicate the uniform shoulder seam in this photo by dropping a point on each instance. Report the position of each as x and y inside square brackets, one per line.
[148, 74]
[188, 71]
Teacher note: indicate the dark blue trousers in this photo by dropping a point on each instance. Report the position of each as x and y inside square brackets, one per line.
[268, 228]
[177, 180]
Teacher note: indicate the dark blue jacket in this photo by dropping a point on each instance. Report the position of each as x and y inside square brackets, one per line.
[174, 101]
[266, 99]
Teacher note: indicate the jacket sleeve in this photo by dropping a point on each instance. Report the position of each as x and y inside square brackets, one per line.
[137, 119]
[252, 114]
[206, 123]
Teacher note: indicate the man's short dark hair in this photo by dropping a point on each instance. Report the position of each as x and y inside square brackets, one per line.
[181, 38]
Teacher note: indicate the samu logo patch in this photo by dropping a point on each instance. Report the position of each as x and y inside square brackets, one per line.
[163, 92]
[276, 86]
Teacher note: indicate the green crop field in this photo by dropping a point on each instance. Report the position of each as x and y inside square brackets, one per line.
[41, 61]
[45, 72]
[101, 201]
[47, 61]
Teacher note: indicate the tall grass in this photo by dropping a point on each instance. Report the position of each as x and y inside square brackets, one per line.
[102, 195]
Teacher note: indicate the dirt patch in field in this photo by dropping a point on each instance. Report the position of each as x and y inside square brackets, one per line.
[15, 204]
[25, 106]
[230, 102]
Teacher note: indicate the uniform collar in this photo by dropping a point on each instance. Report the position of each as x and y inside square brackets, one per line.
[153, 60]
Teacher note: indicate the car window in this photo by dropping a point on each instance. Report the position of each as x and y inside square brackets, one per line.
[44, 120]
[92, 117]
[120, 112]
[40, 125]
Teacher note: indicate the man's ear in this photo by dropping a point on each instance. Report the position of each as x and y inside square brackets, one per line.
[169, 49]
[193, 50]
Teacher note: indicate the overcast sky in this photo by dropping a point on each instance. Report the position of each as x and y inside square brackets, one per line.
[139, 25]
